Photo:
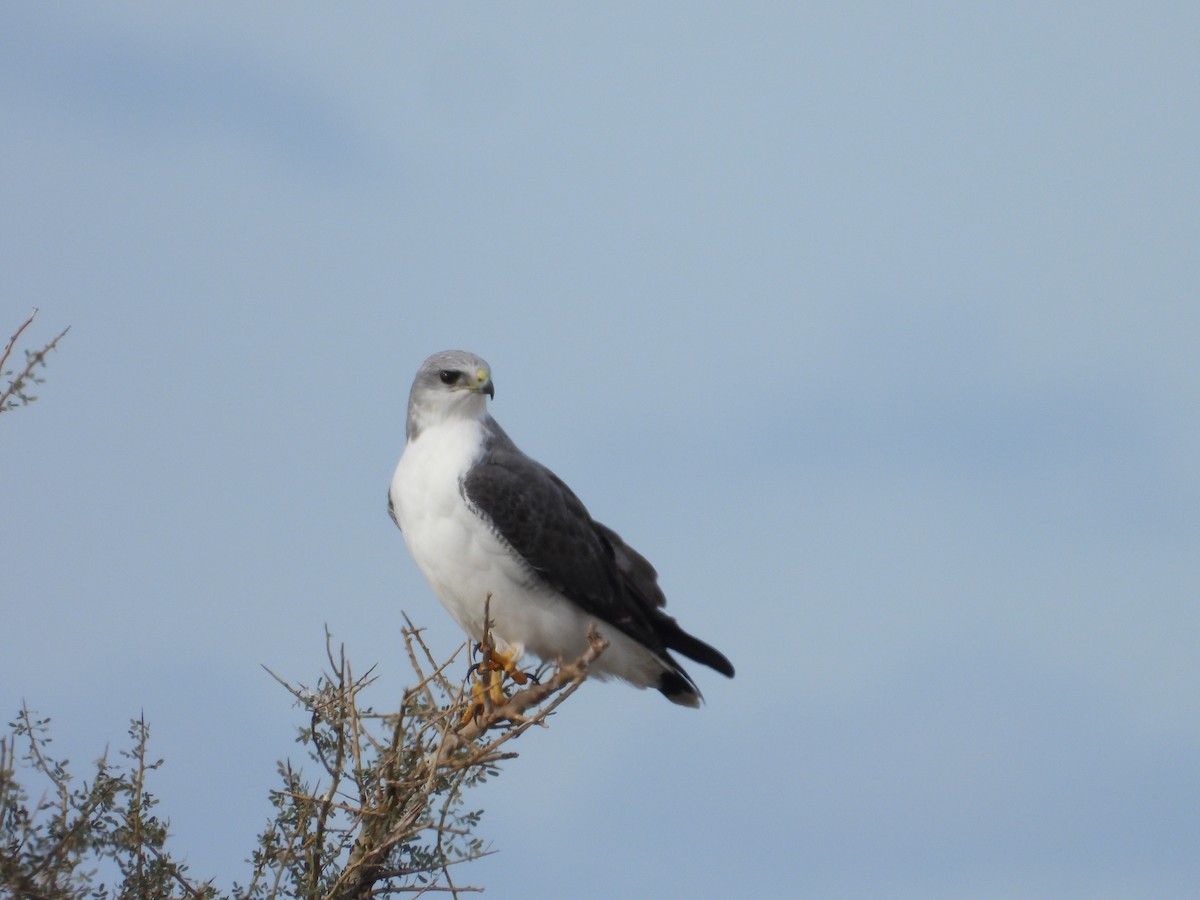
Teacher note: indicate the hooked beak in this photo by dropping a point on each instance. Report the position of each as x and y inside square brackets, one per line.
[482, 383]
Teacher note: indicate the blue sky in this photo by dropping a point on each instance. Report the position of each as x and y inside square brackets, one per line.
[873, 327]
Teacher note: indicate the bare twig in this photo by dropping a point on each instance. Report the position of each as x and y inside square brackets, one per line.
[33, 359]
[384, 816]
[12, 342]
[459, 746]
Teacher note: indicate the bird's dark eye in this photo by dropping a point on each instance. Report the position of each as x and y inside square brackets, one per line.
[449, 377]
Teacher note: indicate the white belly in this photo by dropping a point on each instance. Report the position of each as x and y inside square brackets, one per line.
[466, 563]
[464, 560]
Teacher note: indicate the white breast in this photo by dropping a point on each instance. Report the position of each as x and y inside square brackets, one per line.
[458, 553]
[465, 562]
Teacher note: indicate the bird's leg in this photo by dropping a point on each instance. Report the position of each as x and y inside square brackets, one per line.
[476, 707]
[489, 672]
[493, 667]
[487, 677]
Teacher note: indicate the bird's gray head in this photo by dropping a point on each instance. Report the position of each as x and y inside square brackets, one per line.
[449, 384]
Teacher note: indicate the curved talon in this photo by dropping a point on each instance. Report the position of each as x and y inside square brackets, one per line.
[475, 708]
[488, 675]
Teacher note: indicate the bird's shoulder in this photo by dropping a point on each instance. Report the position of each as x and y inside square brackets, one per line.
[520, 495]
[548, 526]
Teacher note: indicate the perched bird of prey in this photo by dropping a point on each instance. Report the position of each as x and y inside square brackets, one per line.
[483, 519]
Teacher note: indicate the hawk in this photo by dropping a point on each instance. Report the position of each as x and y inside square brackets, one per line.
[490, 528]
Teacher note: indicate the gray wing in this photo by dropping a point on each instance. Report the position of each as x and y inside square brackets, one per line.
[588, 563]
[550, 529]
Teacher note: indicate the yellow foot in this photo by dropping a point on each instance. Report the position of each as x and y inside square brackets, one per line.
[489, 679]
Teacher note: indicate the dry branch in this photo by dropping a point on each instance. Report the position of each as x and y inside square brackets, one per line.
[383, 816]
[381, 795]
[15, 391]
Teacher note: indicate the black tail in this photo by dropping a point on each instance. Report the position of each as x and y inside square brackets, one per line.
[677, 686]
[675, 638]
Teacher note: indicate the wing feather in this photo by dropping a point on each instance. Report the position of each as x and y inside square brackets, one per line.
[543, 521]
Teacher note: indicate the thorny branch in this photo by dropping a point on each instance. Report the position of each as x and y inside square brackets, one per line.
[411, 783]
[384, 816]
[46, 847]
[15, 394]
